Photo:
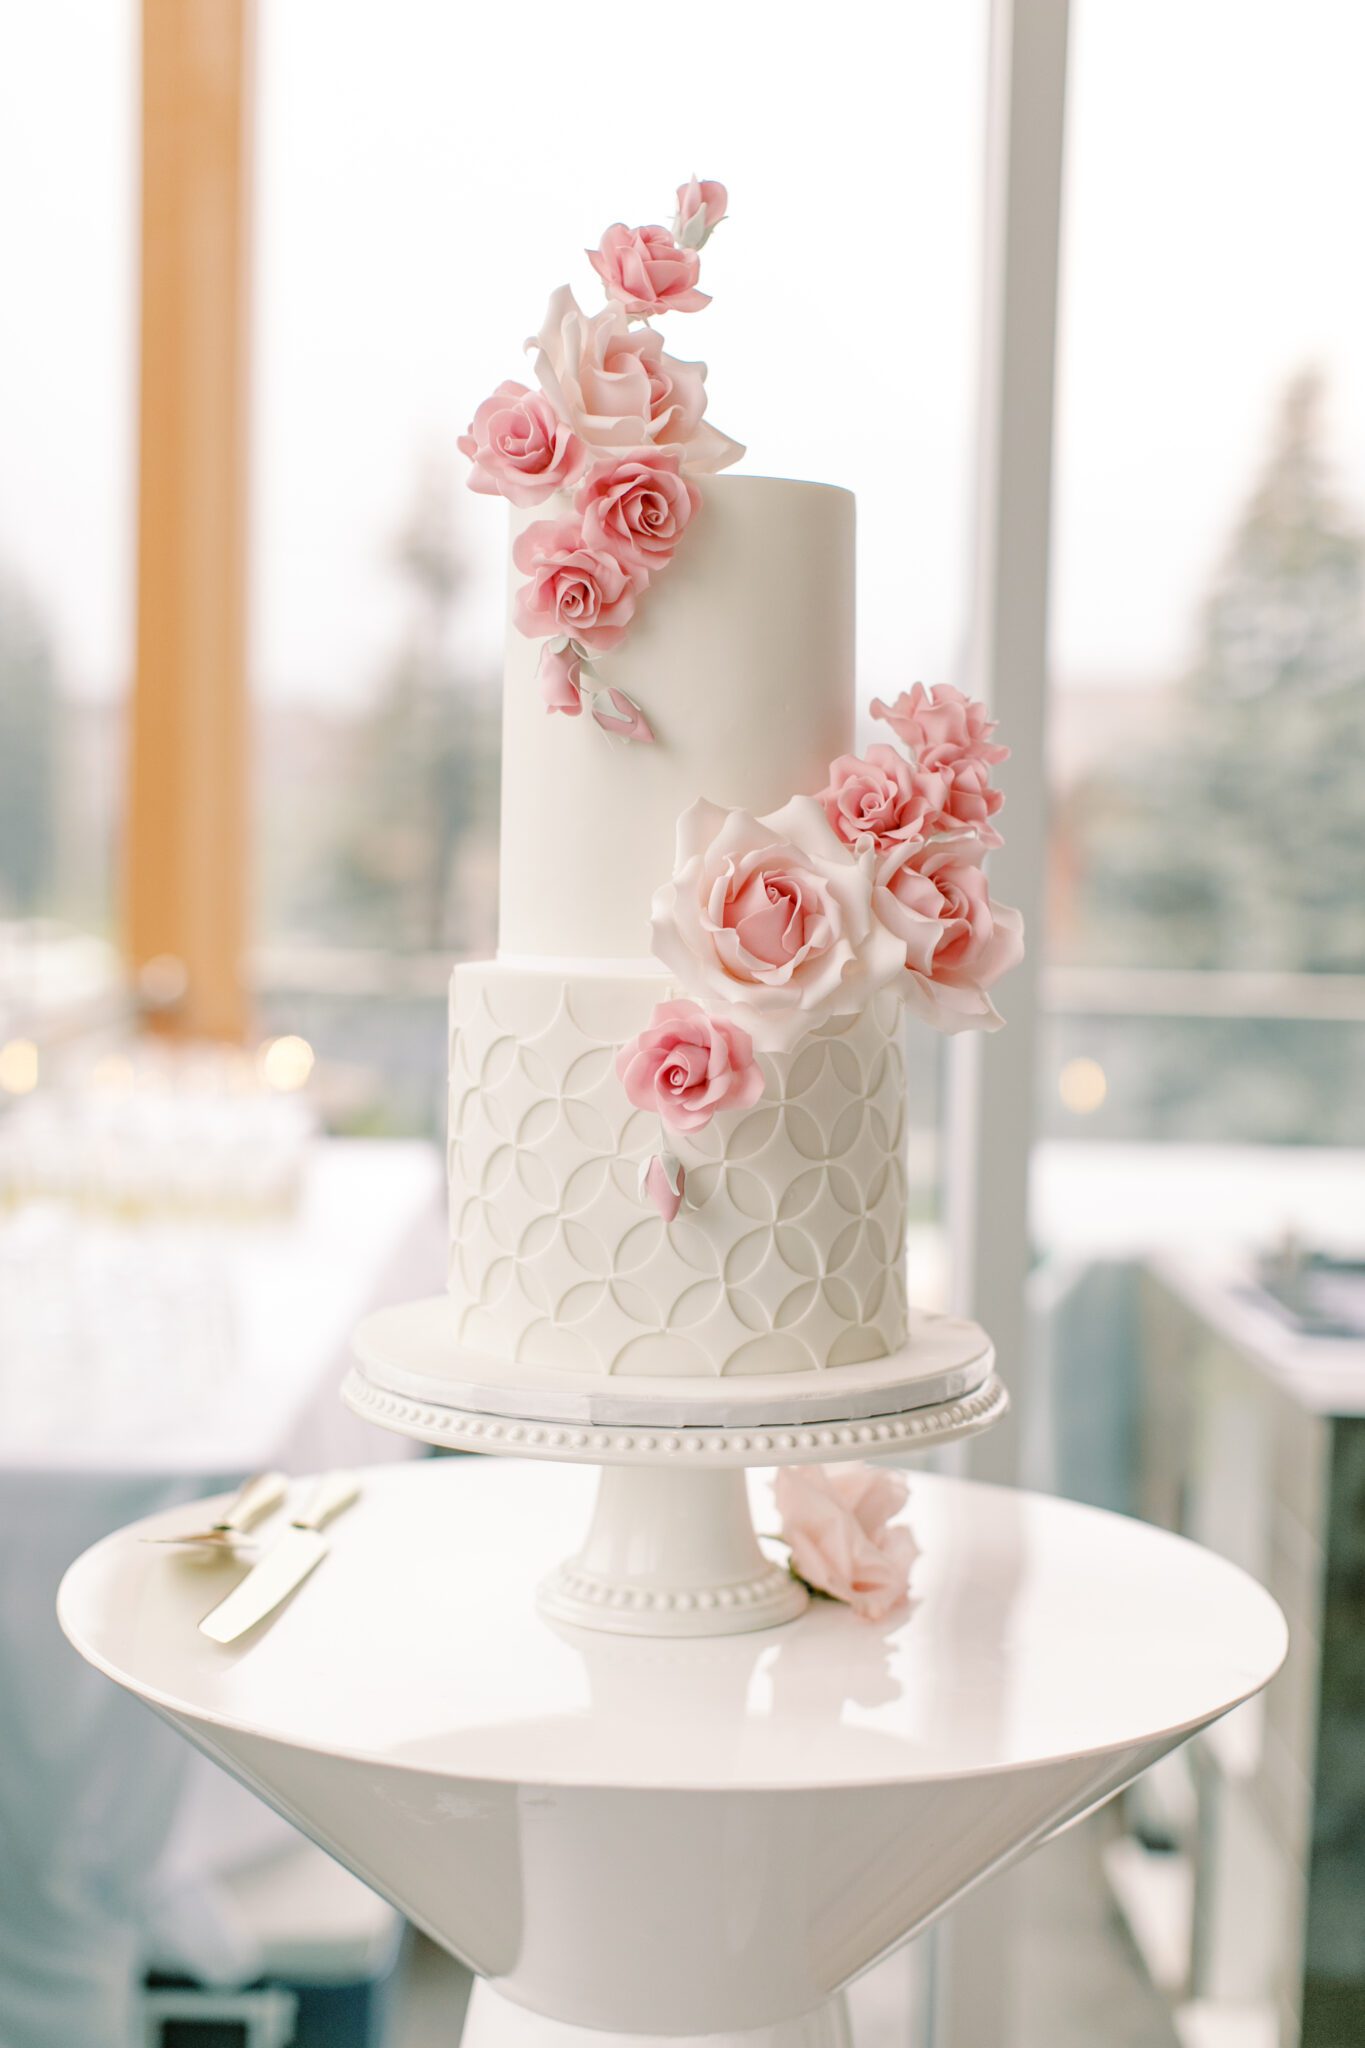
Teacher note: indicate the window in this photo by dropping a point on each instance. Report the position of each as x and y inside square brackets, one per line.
[410, 229]
[67, 382]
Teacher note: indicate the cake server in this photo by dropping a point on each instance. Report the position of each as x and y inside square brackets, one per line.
[252, 1502]
[287, 1563]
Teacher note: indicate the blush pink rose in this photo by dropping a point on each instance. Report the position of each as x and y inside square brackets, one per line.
[838, 1522]
[646, 271]
[572, 587]
[638, 507]
[769, 921]
[617, 388]
[881, 797]
[701, 209]
[950, 734]
[958, 941]
[685, 1066]
[561, 680]
[520, 448]
[969, 802]
[941, 727]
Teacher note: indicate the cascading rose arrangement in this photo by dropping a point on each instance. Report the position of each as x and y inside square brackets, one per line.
[771, 926]
[780, 924]
[622, 425]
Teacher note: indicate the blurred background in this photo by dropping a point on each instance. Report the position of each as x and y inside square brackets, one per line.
[258, 264]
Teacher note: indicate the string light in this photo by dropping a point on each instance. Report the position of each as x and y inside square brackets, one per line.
[19, 1066]
[1082, 1085]
[286, 1063]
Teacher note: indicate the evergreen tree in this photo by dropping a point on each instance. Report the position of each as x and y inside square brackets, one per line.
[30, 713]
[1238, 841]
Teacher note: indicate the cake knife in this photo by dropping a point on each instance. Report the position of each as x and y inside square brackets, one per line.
[251, 1503]
[287, 1563]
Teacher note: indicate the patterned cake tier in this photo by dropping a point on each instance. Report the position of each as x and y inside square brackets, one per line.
[788, 1254]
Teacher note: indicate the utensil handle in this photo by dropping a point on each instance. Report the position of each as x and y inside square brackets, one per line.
[253, 1501]
[328, 1498]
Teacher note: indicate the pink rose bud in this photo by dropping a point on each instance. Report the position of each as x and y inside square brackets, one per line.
[647, 271]
[560, 679]
[662, 1181]
[701, 209]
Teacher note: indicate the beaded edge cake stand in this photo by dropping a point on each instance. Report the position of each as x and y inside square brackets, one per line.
[671, 1549]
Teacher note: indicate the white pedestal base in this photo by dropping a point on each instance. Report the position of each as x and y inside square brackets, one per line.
[494, 2022]
[671, 1553]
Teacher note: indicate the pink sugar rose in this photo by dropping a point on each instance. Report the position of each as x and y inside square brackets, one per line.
[520, 448]
[616, 387]
[882, 797]
[638, 508]
[838, 1522]
[969, 802]
[561, 680]
[685, 1066]
[941, 727]
[701, 209]
[646, 271]
[957, 941]
[572, 587]
[769, 922]
[950, 734]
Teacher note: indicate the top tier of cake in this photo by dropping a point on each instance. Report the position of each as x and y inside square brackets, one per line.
[742, 655]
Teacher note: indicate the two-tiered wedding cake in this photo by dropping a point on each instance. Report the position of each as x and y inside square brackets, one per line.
[677, 1095]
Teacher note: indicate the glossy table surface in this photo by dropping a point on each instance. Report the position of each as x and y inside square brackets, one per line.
[1037, 1631]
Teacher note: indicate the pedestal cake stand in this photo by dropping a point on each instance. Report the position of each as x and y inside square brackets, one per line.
[671, 1549]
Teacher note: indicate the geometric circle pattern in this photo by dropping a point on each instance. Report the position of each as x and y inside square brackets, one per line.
[788, 1254]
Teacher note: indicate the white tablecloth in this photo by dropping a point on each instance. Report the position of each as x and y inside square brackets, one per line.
[110, 1828]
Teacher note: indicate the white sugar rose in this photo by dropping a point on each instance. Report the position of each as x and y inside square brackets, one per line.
[613, 385]
[769, 921]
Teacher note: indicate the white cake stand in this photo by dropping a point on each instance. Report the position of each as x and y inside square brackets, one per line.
[671, 1549]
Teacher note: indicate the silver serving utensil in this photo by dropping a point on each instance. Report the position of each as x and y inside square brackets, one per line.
[287, 1563]
[252, 1502]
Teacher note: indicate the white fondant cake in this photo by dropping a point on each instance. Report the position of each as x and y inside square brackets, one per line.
[744, 656]
[677, 1095]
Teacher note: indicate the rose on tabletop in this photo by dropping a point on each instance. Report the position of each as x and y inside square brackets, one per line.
[686, 1065]
[881, 796]
[616, 387]
[647, 271]
[837, 1521]
[561, 678]
[520, 447]
[769, 921]
[957, 940]
[571, 587]
[701, 209]
[638, 507]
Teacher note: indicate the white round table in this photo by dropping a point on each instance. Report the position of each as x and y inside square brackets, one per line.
[697, 1837]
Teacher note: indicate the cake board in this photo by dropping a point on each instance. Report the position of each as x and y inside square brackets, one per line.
[671, 1549]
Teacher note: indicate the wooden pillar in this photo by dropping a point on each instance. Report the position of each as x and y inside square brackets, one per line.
[186, 851]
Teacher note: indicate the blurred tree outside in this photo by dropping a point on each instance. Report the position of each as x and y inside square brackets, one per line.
[1231, 837]
[398, 826]
[30, 720]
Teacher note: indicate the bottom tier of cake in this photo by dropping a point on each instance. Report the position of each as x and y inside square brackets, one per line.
[788, 1254]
